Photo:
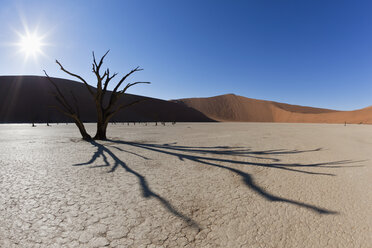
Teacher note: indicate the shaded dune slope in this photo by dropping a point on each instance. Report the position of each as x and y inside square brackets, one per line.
[231, 107]
[29, 99]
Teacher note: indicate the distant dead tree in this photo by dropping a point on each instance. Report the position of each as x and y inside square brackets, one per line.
[104, 111]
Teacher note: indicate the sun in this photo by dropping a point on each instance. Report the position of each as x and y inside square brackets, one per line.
[31, 44]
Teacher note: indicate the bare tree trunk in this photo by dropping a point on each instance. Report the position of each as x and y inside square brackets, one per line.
[82, 130]
[101, 124]
[101, 128]
[101, 131]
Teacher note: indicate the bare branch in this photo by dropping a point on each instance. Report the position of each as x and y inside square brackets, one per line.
[130, 85]
[122, 106]
[76, 104]
[115, 94]
[59, 96]
[125, 77]
[103, 57]
[94, 59]
[108, 79]
[98, 66]
[104, 75]
[76, 76]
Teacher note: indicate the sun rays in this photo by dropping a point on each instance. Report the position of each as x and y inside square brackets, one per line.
[31, 44]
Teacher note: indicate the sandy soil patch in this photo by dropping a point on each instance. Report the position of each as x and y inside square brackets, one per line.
[188, 185]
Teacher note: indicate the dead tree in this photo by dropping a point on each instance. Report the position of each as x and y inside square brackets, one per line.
[104, 111]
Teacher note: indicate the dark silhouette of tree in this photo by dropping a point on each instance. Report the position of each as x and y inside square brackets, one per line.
[105, 111]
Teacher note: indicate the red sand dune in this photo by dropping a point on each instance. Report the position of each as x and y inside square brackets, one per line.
[28, 99]
[231, 107]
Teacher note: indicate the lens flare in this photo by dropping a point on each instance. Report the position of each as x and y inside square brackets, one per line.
[31, 44]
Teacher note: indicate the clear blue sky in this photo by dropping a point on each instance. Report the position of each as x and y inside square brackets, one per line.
[314, 53]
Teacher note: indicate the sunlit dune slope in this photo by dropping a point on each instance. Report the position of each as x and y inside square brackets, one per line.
[30, 99]
[231, 107]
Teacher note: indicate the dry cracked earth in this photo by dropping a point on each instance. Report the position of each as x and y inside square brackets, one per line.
[187, 185]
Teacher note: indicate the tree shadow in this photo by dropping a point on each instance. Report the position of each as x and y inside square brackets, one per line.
[145, 188]
[206, 156]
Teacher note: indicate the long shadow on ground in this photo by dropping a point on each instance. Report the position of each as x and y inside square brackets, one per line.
[203, 155]
[145, 188]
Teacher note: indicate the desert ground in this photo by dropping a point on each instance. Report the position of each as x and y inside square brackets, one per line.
[187, 185]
